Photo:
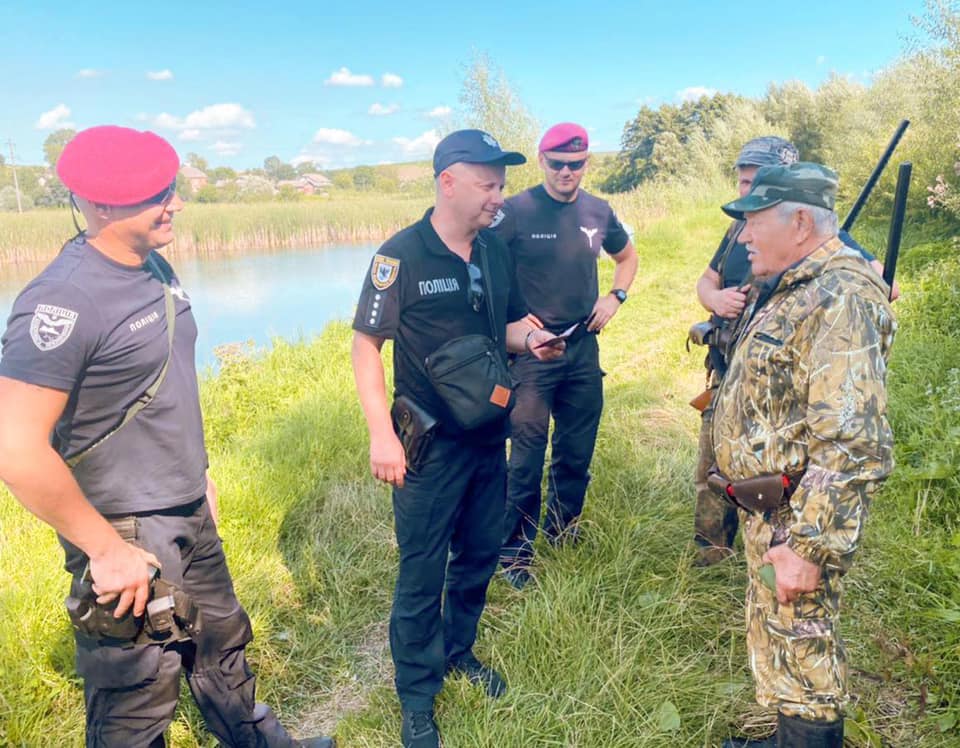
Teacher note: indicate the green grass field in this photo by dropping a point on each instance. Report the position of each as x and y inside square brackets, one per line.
[619, 643]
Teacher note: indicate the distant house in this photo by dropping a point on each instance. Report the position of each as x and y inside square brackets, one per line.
[194, 176]
[308, 184]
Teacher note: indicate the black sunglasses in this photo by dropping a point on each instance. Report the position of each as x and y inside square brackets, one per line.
[475, 290]
[558, 165]
[162, 198]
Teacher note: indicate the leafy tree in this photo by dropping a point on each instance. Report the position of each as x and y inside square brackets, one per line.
[197, 161]
[364, 177]
[307, 167]
[8, 199]
[207, 194]
[342, 178]
[53, 194]
[490, 103]
[219, 173]
[53, 145]
[288, 193]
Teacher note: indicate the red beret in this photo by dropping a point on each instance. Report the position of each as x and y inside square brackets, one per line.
[116, 165]
[566, 138]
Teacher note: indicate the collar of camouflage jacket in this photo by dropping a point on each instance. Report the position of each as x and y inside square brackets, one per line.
[833, 254]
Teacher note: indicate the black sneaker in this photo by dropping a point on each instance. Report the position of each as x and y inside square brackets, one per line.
[419, 730]
[517, 576]
[479, 675]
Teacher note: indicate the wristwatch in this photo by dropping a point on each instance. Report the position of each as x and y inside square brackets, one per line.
[620, 294]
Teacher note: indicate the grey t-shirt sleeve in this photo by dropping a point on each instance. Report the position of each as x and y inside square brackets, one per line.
[378, 311]
[50, 334]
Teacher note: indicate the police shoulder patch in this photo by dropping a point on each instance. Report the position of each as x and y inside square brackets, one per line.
[51, 326]
[498, 219]
[384, 271]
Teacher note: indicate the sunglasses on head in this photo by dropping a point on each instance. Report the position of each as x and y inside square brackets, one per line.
[557, 165]
[164, 197]
[475, 290]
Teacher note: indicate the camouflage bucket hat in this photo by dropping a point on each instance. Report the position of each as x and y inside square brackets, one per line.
[769, 150]
[802, 182]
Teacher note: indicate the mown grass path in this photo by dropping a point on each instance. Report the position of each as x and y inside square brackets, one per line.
[619, 642]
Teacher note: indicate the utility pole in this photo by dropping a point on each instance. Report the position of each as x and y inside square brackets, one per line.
[16, 184]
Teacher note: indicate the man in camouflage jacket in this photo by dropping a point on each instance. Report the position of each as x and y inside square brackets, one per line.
[804, 397]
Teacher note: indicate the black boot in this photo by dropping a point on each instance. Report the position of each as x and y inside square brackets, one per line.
[770, 742]
[273, 735]
[793, 732]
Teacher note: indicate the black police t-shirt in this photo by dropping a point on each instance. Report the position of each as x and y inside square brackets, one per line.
[97, 329]
[416, 293]
[555, 247]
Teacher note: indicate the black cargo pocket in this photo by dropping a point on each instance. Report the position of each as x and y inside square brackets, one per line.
[107, 666]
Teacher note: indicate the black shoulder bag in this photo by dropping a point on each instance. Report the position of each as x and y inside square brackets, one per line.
[469, 373]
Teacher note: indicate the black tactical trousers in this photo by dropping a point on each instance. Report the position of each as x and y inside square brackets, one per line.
[131, 692]
[448, 520]
[571, 389]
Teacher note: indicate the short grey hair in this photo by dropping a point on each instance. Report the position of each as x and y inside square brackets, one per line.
[824, 220]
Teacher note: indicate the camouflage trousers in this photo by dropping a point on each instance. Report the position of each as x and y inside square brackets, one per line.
[714, 518]
[797, 657]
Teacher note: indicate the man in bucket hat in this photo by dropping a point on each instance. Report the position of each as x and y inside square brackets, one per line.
[802, 408]
[723, 289]
[99, 352]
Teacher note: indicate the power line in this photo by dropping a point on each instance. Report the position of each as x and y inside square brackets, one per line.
[16, 184]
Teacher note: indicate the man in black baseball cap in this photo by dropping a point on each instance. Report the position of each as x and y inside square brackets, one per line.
[472, 147]
[444, 278]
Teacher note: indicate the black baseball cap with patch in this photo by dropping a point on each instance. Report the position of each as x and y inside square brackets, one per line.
[802, 182]
[472, 147]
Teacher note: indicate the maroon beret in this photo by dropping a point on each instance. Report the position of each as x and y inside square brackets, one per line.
[116, 165]
[565, 138]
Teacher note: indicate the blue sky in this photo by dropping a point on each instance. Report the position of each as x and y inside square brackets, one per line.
[369, 82]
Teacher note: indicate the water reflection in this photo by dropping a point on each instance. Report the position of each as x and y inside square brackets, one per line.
[289, 294]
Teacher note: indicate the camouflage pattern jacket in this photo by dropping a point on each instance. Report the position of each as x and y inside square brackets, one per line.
[805, 393]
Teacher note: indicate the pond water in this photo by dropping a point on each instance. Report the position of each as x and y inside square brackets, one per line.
[255, 297]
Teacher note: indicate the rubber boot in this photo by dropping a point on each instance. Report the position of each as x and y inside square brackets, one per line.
[793, 732]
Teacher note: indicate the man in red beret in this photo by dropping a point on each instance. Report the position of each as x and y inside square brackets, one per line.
[556, 231]
[99, 353]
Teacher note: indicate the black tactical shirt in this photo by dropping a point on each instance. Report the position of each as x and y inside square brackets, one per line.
[97, 329]
[416, 293]
[555, 246]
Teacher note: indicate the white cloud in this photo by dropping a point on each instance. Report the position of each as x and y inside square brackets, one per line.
[160, 75]
[422, 145]
[54, 119]
[210, 118]
[89, 73]
[343, 77]
[332, 136]
[220, 116]
[391, 80]
[693, 93]
[439, 112]
[381, 110]
[225, 149]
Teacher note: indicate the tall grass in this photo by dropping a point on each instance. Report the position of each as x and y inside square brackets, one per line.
[619, 642]
[203, 229]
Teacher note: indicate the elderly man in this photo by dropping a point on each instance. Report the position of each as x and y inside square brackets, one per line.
[802, 441]
[555, 232]
[444, 280]
[99, 353]
[723, 290]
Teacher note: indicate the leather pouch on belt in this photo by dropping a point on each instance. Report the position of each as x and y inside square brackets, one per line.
[762, 493]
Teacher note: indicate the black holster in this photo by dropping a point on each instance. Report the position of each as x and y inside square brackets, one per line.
[171, 615]
[415, 428]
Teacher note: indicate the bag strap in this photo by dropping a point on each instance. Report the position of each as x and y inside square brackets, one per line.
[488, 297]
[146, 398]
